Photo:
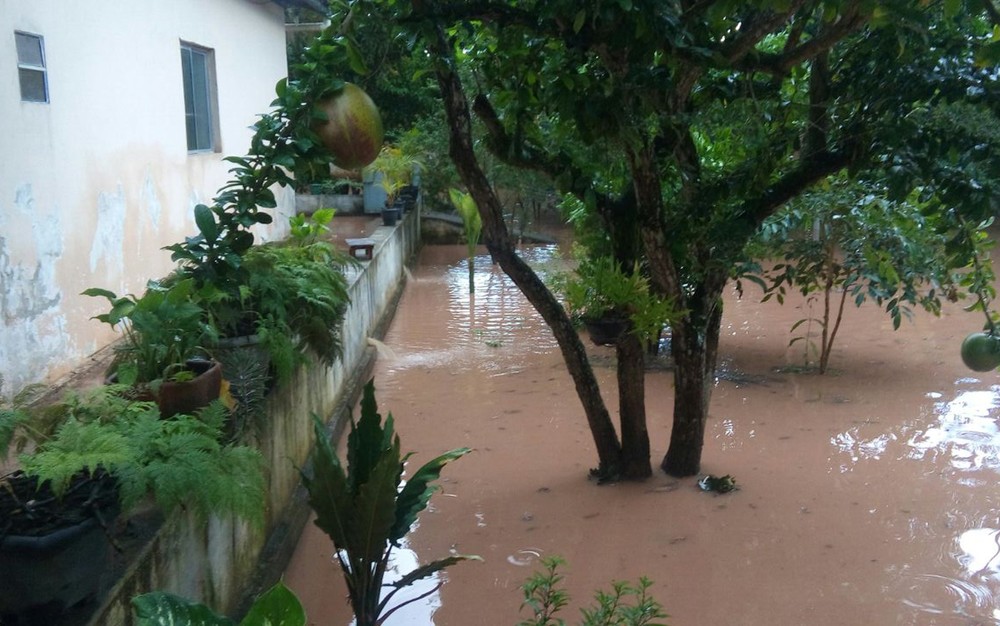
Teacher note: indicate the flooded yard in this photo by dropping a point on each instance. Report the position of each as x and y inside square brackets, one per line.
[867, 496]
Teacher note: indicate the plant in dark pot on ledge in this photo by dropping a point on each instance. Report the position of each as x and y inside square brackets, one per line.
[88, 458]
[394, 170]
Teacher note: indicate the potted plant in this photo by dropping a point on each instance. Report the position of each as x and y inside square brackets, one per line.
[610, 302]
[393, 168]
[165, 333]
[90, 456]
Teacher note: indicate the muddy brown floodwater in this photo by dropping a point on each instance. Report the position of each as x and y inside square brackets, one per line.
[867, 496]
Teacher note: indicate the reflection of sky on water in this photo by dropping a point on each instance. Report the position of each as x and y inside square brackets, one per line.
[966, 432]
[492, 329]
[961, 435]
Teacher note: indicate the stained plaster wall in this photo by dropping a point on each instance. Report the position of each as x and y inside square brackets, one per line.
[94, 183]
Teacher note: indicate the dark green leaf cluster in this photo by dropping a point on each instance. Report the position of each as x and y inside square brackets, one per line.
[296, 297]
[848, 236]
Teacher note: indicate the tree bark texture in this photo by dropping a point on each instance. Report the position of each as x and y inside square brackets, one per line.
[501, 246]
[635, 464]
[695, 345]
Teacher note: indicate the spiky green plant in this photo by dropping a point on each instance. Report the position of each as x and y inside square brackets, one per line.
[366, 513]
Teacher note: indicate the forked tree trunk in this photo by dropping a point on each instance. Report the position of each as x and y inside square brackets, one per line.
[635, 464]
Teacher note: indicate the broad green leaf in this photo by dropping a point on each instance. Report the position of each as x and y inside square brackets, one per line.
[418, 491]
[329, 496]
[581, 17]
[355, 58]
[205, 221]
[278, 606]
[166, 609]
[426, 570]
[375, 507]
[367, 440]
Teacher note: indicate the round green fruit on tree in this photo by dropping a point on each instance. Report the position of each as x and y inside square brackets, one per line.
[352, 131]
[981, 352]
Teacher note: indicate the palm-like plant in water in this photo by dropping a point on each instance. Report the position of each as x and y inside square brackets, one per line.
[365, 512]
[473, 223]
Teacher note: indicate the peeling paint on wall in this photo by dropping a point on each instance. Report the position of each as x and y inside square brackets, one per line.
[151, 201]
[33, 331]
[109, 236]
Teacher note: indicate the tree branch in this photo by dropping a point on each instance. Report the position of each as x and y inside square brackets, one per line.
[780, 64]
[793, 183]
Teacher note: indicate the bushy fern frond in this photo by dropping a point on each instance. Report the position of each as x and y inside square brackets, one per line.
[181, 461]
[79, 446]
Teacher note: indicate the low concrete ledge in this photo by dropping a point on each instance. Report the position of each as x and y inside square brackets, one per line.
[224, 562]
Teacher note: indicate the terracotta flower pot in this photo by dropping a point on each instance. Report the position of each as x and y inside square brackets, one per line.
[189, 396]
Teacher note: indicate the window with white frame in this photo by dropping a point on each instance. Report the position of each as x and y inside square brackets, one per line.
[200, 102]
[31, 67]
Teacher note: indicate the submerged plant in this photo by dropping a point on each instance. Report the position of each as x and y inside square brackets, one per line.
[366, 513]
[625, 605]
[473, 224]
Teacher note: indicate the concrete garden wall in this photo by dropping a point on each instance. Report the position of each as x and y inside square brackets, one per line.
[224, 561]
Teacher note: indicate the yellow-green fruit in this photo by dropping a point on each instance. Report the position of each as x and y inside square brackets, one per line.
[353, 130]
[981, 352]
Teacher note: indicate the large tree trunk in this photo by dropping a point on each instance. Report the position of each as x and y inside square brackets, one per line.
[632, 408]
[501, 246]
[695, 344]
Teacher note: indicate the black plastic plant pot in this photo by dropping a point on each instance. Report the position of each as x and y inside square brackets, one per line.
[606, 331]
[390, 216]
[63, 561]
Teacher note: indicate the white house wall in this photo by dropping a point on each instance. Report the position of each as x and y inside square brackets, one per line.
[96, 182]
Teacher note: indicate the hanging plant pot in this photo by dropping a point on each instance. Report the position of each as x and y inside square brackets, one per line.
[606, 331]
[54, 552]
[188, 396]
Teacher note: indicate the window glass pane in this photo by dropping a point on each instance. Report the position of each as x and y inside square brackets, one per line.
[192, 141]
[29, 49]
[202, 108]
[195, 65]
[32, 85]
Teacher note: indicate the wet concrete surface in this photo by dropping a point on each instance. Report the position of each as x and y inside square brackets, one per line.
[867, 495]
